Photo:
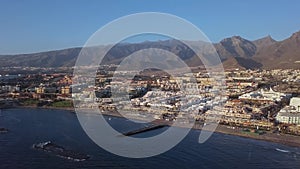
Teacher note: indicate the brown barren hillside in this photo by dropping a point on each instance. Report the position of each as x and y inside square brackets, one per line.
[235, 52]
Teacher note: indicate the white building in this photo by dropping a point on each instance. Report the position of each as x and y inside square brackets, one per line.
[263, 96]
[290, 114]
[295, 102]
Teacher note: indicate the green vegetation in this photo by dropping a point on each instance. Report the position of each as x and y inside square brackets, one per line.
[30, 102]
[63, 103]
[39, 103]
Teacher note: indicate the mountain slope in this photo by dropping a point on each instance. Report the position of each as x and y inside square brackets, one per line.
[234, 52]
[264, 42]
[59, 58]
[283, 54]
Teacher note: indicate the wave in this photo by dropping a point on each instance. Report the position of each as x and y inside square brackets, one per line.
[281, 150]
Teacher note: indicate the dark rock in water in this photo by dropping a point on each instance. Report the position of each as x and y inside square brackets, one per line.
[3, 130]
[60, 151]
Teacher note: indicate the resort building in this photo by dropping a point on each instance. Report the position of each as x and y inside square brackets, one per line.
[263, 96]
[290, 114]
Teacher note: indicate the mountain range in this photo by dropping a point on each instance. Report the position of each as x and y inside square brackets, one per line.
[235, 52]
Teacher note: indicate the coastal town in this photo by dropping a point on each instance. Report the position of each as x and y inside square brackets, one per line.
[149, 84]
[256, 101]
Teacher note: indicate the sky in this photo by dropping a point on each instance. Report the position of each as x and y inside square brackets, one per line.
[33, 25]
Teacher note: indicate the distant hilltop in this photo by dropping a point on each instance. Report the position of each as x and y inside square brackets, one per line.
[235, 52]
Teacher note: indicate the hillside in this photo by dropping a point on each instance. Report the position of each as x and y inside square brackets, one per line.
[235, 52]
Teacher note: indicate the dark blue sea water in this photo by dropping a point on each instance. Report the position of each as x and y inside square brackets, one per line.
[29, 126]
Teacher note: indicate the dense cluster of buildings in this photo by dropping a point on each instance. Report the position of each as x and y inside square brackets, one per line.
[250, 98]
[37, 86]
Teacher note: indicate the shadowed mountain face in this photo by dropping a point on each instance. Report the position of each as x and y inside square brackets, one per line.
[238, 52]
[234, 52]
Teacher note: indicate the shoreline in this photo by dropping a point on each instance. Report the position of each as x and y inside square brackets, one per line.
[284, 139]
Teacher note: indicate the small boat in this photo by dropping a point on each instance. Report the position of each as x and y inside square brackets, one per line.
[281, 150]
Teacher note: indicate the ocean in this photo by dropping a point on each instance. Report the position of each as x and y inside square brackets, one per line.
[29, 126]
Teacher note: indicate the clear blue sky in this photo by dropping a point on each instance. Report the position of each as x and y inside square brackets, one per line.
[32, 26]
